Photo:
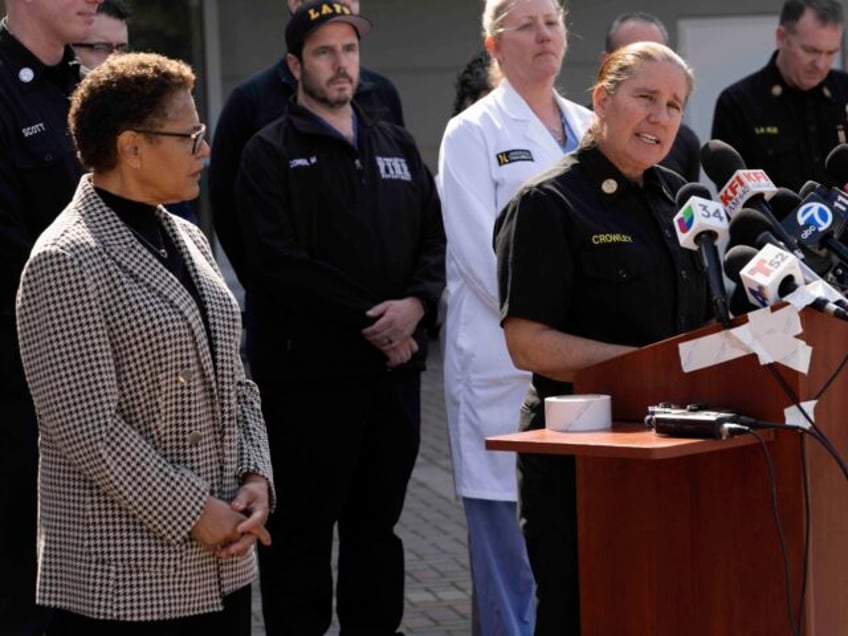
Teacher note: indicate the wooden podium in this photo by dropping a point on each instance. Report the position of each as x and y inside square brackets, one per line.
[678, 537]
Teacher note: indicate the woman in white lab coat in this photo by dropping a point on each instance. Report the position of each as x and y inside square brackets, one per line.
[517, 131]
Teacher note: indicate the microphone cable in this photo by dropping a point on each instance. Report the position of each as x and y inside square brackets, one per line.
[817, 434]
[814, 431]
[781, 534]
[748, 425]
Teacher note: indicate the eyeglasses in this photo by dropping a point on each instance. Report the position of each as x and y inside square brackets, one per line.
[103, 48]
[197, 135]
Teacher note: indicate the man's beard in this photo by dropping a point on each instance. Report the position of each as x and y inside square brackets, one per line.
[321, 95]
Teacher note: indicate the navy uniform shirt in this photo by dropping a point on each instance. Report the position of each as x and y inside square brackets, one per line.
[584, 250]
[39, 171]
[255, 103]
[784, 131]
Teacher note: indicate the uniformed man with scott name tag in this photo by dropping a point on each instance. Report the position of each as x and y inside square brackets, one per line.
[345, 265]
[39, 173]
[788, 116]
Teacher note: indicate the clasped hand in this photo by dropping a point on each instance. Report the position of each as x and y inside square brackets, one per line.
[392, 330]
[231, 529]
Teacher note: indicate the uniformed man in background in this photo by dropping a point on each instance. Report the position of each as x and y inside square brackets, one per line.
[39, 173]
[786, 118]
[109, 34]
[638, 26]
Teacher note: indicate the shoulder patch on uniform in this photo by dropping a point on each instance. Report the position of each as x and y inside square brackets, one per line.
[506, 157]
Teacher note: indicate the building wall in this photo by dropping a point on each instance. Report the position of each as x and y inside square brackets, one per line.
[421, 44]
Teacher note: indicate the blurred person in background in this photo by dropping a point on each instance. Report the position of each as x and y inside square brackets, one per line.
[787, 117]
[473, 82]
[109, 34]
[637, 26]
[38, 174]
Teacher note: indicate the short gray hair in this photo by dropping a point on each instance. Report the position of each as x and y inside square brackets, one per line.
[827, 12]
[632, 16]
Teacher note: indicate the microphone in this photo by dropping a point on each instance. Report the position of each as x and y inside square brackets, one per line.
[701, 224]
[836, 199]
[783, 202]
[771, 275]
[723, 164]
[735, 259]
[817, 224]
[809, 187]
[750, 228]
[836, 165]
[739, 303]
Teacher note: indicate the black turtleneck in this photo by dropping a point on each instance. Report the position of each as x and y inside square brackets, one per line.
[142, 222]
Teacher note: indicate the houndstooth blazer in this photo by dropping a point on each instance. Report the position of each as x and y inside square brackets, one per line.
[137, 424]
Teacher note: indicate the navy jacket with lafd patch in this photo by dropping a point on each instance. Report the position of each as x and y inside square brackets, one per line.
[330, 230]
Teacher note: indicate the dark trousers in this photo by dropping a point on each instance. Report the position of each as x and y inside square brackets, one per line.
[233, 620]
[19, 615]
[547, 511]
[343, 452]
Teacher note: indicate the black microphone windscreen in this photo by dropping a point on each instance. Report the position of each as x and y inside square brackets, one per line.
[836, 164]
[783, 202]
[690, 190]
[739, 303]
[720, 160]
[808, 188]
[747, 226]
[735, 260]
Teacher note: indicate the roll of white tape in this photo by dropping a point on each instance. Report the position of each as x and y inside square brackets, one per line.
[573, 413]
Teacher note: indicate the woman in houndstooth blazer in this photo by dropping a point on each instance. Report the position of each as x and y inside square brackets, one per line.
[154, 476]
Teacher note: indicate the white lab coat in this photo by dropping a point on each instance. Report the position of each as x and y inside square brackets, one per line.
[483, 390]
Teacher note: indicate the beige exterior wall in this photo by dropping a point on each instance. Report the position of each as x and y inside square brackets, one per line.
[421, 44]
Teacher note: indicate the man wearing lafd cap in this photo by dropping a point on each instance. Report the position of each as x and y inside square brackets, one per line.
[345, 264]
[255, 103]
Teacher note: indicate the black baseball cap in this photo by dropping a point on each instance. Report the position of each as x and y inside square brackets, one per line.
[312, 15]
